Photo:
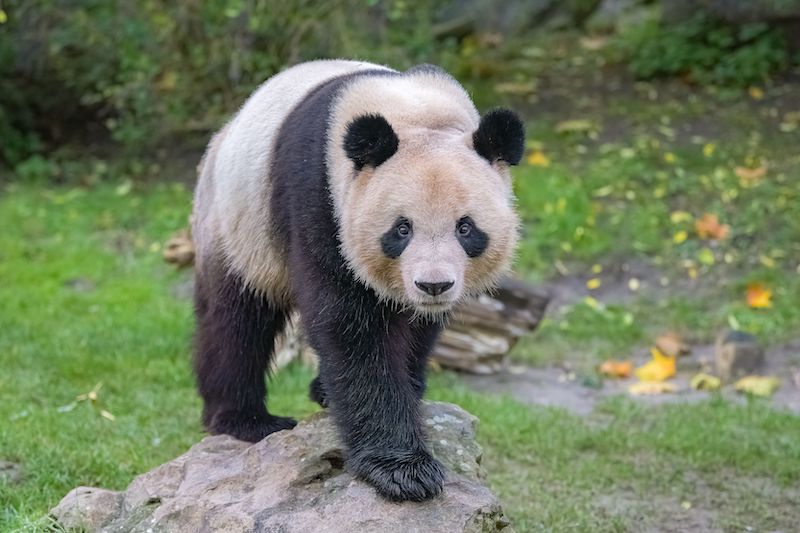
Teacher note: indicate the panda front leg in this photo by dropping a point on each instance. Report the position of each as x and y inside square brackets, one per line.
[425, 333]
[236, 329]
[364, 349]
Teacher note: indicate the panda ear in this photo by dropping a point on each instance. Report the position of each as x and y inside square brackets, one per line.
[369, 141]
[500, 137]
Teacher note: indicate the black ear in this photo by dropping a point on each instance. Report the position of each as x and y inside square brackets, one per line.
[369, 141]
[500, 137]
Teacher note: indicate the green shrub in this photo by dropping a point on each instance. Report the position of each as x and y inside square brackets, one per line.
[706, 51]
[143, 71]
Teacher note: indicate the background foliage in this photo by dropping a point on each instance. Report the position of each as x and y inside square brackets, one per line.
[140, 73]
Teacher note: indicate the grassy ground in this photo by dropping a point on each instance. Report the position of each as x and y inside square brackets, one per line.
[85, 299]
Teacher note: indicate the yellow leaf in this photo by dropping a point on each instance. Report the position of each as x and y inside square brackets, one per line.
[651, 387]
[708, 149]
[758, 296]
[616, 369]
[660, 368]
[591, 302]
[597, 268]
[670, 158]
[758, 385]
[756, 93]
[680, 236]
[676, 217]
[593, 283]
[704, 381]
[538, 159]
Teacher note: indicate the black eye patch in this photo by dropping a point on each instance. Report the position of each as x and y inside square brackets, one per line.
[474, 241]
[394, 241]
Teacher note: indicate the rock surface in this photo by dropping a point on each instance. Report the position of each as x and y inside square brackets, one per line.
[292, 481]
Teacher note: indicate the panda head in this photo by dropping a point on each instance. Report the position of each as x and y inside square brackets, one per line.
[428, 216]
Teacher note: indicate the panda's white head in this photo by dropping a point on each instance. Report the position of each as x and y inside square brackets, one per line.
[428, 217]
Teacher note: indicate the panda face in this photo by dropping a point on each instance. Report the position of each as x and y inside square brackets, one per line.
[432, 223]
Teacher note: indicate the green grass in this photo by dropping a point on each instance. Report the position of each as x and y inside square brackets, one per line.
[85, 298]
[123, 326]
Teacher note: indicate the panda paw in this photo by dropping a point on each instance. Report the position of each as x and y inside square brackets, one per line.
[248, 426]
[405, 476]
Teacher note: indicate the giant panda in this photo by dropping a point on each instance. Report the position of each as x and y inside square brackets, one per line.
[371, 201]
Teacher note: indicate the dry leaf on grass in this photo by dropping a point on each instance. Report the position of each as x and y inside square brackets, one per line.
[703, 381]
[538, 159]
[758, 296]
[660, 368]
[758, 385]
[709, 227]
[616, 369]
[652, 387]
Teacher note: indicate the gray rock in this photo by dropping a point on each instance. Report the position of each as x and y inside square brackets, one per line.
[737, 354]
[292, 481]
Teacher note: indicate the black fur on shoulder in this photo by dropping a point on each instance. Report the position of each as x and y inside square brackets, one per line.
[370, 140]
[500, 137]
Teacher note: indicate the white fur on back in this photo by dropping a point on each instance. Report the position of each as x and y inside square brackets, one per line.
[231, 208]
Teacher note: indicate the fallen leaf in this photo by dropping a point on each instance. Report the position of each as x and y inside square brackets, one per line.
[676, 217]
[750, 177]
[575, 126]
[671, 345]
[651, 387]
[703, 381]
[616, 369]
[680, 236]
[756, 93]
[758, 296]
[708, 149]
[593, 283]
[757, 385]
[634, 284]
[659, 368]
[594, 43]
[708, 227]
[538, 159]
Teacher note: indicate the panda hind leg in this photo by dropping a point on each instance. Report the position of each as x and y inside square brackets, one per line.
[236, 330]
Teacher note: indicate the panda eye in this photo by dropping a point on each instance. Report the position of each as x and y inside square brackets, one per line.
[403, 229]
[464, 228]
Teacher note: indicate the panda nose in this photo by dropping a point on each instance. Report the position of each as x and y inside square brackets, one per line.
[434, 289]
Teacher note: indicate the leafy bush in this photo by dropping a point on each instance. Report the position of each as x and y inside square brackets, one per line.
[706, 51]
[142, 71]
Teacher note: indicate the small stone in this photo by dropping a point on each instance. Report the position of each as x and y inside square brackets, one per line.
[10, 472]
[737, 354]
